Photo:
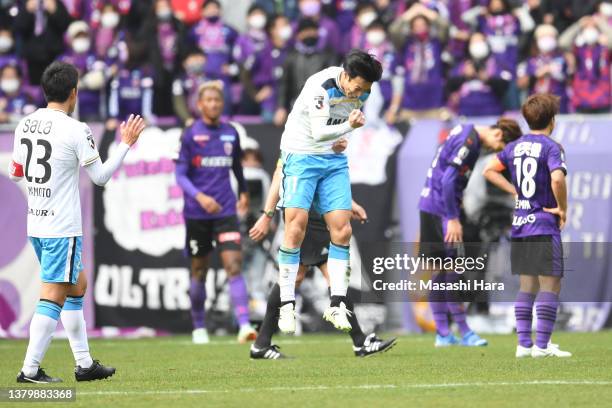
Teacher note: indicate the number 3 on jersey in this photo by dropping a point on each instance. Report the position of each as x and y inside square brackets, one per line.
[43, 160]
[526, 169]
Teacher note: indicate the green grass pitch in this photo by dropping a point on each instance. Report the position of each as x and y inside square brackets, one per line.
[171, 372]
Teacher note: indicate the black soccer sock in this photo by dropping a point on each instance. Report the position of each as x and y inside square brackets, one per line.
[356, 333]
[335, 300]
[270, 321]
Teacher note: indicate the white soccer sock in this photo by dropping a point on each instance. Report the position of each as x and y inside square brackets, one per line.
[338, 268]
[288, 264]
[76, 329]
[42, 327]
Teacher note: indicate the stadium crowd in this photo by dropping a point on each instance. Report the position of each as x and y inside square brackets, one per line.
[440, 57]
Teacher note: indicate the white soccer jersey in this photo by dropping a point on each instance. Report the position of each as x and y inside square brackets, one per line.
[320, 97]
[50, 145]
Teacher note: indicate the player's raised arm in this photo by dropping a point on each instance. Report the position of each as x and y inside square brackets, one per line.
[100, 172]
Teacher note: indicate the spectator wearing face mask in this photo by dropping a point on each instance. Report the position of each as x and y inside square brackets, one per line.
[15, 103]
[303, 60]
[92, 72]
[164, 34]
[365, 14]
[185, 87]
[263, 71]
[345, 14]
[41, 26]
[605, 11]
[420, 63]
[253, 41]
[477, 85]
[7, 48]
[590, 41]
[108, 33]
[329, 36]
[217, 40]
[547, 70]
[131, 88]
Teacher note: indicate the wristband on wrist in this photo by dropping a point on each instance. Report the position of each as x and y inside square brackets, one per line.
[268, 213]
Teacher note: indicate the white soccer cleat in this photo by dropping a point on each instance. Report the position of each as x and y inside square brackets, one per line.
[200, 336]
[338, 316]
[522, 352]
[246, 333]
[550, 351]
[286, 318]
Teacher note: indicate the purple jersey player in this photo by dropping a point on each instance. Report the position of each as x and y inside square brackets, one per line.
[440, 208]
[536, 164]
[210, 151]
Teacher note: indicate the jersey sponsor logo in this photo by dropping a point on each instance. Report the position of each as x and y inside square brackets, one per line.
[201, 139]
[331, 121]
[228, 138]
[39, 191]
[519, 220]
[40, 213]
[319, 102]
[528, 149]
[214, 161]
[232, 236]
[37, 126]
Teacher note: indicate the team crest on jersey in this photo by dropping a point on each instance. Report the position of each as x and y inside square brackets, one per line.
[201, 139]
[228, 147]
[92, 142]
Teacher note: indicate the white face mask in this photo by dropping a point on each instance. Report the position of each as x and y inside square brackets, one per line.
[285, 33]
[81, 45]
[479, 50]
[365, 19]
[590, 35]
[6, 43]
[547, 44]
[375, 38]
[257, 21]
[164, 14]
[606, 9]
[9, 86]
[110, 20]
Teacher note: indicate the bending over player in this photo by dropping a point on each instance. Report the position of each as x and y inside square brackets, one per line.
[326, 109]
[537, 168]
[311, 254]
[210, 149]
[49, 146]
[440, 207]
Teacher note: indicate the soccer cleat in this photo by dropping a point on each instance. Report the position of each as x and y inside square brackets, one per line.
[338, 316]
[471, 339]
[373, 345]
[446, 341]
[96, 371]
[522, 352]
[200, 336]
[246, 333]
[286, 318]
[550, 351]
[40, 378]
[267, 353]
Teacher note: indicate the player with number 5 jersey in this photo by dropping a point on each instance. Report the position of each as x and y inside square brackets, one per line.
[49, 149]
[537, 168]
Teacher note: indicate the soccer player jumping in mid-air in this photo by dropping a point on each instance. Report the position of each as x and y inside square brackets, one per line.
[440, 207]
[327, 108]
[49, 146]
[210, 151]
[537, 168]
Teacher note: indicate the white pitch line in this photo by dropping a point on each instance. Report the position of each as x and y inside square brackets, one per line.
[348, 387]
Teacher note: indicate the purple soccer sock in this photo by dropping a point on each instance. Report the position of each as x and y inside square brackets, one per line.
[437, 302]
[240, 299]
[547, 304]
[523, 312]
[197, 294]
[455, 305]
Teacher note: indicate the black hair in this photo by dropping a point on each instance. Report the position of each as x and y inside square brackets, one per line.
[192, 50]
[307, 24]
[256, 7]
[58, 81]
[361, 64]
[364, 6]
[15, 66]
[207, 2]
[271, 21]
[378, 23]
